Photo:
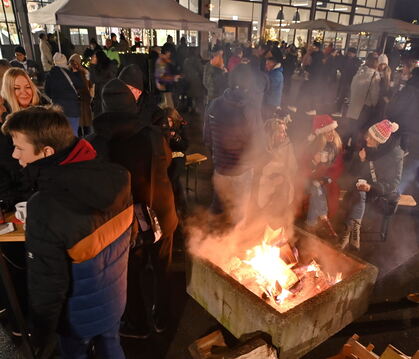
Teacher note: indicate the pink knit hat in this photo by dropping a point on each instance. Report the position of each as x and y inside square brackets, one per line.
[322, 124]
[382, 131]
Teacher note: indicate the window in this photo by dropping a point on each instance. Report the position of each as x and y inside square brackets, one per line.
[381, 4]
[8, 30]
[192, 5]
[79, 36]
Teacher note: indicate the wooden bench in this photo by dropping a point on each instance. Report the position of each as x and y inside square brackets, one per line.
[192, 162]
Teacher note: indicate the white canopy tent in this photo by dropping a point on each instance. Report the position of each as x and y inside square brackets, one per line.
[147, 14]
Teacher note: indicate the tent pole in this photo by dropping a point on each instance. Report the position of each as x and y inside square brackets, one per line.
[58, 38]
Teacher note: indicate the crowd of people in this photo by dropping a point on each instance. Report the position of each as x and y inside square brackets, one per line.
[98, 155]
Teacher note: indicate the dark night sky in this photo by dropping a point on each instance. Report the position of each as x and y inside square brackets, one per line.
[406, 10]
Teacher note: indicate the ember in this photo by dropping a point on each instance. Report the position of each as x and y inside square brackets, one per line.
[271, 271]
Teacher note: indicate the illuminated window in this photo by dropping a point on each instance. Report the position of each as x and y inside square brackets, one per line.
[79, 36]
[8, 29]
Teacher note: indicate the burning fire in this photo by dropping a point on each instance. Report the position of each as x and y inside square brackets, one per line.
[271, 271]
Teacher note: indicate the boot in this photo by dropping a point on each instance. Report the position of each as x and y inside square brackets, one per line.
[329, 228]
[346, 236]
[356, 235]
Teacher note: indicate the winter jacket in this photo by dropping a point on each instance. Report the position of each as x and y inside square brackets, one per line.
[113, 55]
[77, 240]
[59, 89]
[126, 139]
[193, 71]
[233, 132]
[388, 163]
[46, 55]
[404, 110]
[365, 91]
[214, 81]
[276, 84]
[99, 77]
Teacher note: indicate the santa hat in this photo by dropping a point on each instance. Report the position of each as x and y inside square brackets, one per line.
[382, 131]
[322, 124]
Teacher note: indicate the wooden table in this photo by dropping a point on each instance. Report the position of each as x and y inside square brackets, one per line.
[17, 236]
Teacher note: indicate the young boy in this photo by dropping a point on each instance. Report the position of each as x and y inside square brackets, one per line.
[78, 230]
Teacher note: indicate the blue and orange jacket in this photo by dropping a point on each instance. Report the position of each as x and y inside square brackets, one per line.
[77, 241]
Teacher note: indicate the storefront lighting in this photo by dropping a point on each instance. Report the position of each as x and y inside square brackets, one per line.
[211, 7]
[235, 17]
[300, 4]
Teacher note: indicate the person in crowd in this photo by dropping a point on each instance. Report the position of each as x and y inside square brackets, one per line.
[373, 175]
[273, 96]
[325, 159]
[63, 87]
[4, 66]
[394, 58]
[401, 77]
[235, 59]
[290, 65]
[34, 71]
[274, 180]
[123, 136]
[165, 76]
[138, 44]
[178, 142]
[123, 43]
[18, 91]
[147, 106]
[193, 74]
[102, 69]
[385, 87]
[114, 41]
[365, 92]
[181, 54]
[315, 78]
[71, 253]
[112, 52]
[404, 110]
[170, 45]
[233, 132]
[92, 49]
[215, 79]
[53, 43]
[76, 67]
[348, 69]
[46, 54]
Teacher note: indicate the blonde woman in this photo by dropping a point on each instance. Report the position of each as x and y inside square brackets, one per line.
[325, 160]
[18, 90]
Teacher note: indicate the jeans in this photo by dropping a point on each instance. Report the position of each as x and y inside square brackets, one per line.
[318, 204]
[357, 200]
[74, 123]
[107, 346]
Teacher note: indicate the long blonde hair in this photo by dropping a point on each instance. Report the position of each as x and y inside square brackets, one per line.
[321, 140]
[8, 88]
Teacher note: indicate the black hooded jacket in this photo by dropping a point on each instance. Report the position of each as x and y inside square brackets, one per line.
[124, 137]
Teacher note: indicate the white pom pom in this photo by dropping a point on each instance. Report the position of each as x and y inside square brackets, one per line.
[312, 137]
[394, 127]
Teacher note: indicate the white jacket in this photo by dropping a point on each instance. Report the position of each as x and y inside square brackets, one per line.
[46, 55]
[365, 90]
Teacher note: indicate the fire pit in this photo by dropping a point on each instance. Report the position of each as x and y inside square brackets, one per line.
[301, 310]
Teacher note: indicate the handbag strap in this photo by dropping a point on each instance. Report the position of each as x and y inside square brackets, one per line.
[67, 76]
[372, 171]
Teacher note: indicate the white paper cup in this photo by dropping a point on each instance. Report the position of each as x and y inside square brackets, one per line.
[20, 213]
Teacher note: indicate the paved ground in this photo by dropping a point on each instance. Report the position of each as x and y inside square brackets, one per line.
[390, 318]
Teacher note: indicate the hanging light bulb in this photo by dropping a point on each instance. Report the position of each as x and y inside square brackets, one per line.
[296, 17]
[280, 15]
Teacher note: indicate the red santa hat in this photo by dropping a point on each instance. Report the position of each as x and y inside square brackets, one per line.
[322, 124]
[382, 131]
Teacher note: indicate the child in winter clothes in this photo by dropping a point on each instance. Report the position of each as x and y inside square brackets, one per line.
[326, 166]
[178, 142]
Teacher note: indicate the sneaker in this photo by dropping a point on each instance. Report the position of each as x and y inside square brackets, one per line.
[128, 331]
[311, 113]
[292, 109]
[337, 114]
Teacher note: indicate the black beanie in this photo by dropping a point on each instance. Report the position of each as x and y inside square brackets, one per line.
[133, 76]
[20, 50]
[117, 97]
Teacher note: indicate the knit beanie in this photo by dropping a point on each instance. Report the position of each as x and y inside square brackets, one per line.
[117, 97]
[133, 76]
[60, 60]
[322, 124]
[383, 59]
[382, 131]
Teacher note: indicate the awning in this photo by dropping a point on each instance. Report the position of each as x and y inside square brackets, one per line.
[320, 24]
[389, 26]
[143, 14]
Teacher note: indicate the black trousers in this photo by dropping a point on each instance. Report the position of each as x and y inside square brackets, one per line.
[148, 282]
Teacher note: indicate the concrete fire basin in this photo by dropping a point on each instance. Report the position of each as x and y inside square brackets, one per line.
[301, 328]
